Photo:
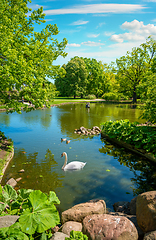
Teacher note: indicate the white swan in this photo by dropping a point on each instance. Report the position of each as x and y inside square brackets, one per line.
[75, 165]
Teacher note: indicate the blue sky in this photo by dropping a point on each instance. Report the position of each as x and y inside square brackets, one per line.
[104, 30]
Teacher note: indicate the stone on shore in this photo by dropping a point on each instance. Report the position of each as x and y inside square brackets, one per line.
[146, 211]
[7, 221]
[67, 227]
[78, 212]
[105, 226]
[59, 236]
[12, 182]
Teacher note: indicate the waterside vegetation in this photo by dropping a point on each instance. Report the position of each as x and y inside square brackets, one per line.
[141, 137]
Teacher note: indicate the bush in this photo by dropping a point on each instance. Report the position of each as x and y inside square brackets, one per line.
[142, 137]
[111, 96]
[90, 96]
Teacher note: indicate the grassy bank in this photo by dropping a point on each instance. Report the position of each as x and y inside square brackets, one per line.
[6, 153]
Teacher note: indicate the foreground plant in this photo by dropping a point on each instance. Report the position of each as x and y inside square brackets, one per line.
[76, 235]
[37, 212]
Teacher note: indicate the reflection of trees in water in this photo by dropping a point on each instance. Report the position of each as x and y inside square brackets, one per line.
[76, 115]
[43, 116]
[144, 171]
[36, 175]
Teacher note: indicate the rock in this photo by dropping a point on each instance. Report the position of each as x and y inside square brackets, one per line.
[69, 226]
[150, 236]
[12, 182]
[18, 179]
[79, 211]
[133, 219]
[133, 206]
[59, 236]
[146, 211]
[122, 206]
[7, 221]
[55, 229]
[105, 227]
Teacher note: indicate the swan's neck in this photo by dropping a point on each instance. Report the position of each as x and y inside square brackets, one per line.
[65, 162]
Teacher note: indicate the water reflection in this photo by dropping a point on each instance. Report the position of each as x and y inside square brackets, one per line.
[35, 175]
[144, 171]
[109, 174]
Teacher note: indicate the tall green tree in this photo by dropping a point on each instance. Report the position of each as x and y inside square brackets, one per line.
[26, 56]
[74, 82]
[149, 96]
[132, 68]
[96, 78]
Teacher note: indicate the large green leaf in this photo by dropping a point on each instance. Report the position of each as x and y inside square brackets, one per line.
[9, 193]
[13, 233]
[53, 198]
[41, 217]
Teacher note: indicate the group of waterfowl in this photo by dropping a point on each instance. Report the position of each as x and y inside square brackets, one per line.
[74, 165]
[65, 140]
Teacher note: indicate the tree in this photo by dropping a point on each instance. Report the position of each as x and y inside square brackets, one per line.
[132, 68]
[96, 80]
[74, 82]
[149, 96]
[26, 56]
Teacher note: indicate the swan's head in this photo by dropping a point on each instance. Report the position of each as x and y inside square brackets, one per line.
[63, 154]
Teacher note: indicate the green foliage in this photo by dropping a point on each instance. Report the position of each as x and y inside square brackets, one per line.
[142, 137]
[111, 96]
[76, 235]
[74, 81]
[13, 233]
[26, 56]
[36, 210]
[90, 96]
[149, 99]
[132, 68]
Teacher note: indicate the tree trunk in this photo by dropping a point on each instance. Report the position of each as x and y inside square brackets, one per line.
[134, 97]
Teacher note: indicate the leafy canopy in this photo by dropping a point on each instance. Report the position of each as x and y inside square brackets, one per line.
[26, 56]
[132, 68]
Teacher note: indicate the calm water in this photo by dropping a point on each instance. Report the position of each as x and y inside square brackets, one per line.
[110, 173]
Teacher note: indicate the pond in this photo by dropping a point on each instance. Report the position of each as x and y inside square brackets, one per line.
[111, 173]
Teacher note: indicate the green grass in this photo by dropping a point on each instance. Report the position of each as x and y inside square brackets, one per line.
[60, 100]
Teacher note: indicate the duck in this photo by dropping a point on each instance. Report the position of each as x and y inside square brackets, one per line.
[63, 139]
[75, 165]
[67, 141]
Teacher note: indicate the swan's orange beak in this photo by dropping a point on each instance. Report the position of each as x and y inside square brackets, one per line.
[62, 155]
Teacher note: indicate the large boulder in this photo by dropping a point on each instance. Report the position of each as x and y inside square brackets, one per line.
[146, 211]
[78, 212]
[106, 226]
[133, 219]
[67, 227]
[133, 206]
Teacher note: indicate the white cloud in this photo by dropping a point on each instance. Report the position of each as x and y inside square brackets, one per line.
[137, 32]
[92, 44]
[97, 8]
[79, 22]
[92, 35]
[73, 45]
